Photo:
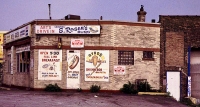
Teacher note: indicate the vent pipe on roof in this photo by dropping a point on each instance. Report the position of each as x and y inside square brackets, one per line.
[153, 21]
[49, 11]
[101, 17]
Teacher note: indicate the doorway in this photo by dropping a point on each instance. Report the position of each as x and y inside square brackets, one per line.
[173, 84]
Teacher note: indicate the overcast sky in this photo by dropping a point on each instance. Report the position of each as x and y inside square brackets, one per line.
[14, 13]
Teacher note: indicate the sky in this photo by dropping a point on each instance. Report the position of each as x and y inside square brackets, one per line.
[14, 13]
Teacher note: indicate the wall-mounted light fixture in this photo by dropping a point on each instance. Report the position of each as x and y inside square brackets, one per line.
[37, 38]
[59, 43]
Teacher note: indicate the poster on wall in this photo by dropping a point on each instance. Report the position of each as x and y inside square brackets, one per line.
[73, 73]
[97, 65]
[119, 70]
[49, 64]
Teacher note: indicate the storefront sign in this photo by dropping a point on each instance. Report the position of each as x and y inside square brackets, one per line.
[189, 86]
[69, 29]
[8, 38]
[119, 70]
[73, 73]
[18, 34]
[22, 48]
[96, 65]
[77, 43]
[49, 64]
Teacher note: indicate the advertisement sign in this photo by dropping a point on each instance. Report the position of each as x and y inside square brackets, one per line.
[77, 43]
[22, 48]
[49, 64]
[97, 65]
[67, 29]
[119, 70]
[1, 45]
[18, 34]
[73, 73]
[189, 86]
[8, 38]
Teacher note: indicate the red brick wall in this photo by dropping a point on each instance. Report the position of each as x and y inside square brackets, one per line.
[174, 49]
[175, 29]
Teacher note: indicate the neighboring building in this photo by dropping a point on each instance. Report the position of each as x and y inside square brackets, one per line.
[180, 55]
[1, 47]
[79, 53]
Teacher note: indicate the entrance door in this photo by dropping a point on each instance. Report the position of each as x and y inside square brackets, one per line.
[173, 84]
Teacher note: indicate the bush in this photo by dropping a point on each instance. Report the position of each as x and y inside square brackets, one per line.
[95, 88]
[128, 88]
[144, 87]
[52, 88]
[79, 90]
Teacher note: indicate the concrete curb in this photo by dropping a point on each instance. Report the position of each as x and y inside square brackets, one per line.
[151, 93]
[194, 100]
[4, 88]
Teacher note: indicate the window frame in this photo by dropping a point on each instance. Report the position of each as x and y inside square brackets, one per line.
[148, 55]
[125, 57]
[23, 61]
[9, 62]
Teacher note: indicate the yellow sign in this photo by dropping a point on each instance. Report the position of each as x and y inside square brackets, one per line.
[1, 45]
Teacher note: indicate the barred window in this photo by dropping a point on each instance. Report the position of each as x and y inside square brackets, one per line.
[125, 57]
[147, 54]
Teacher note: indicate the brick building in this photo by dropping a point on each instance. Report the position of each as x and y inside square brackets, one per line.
[180, 53]
[79, 53]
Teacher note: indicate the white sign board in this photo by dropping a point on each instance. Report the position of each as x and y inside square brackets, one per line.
[119, 70]
[96, 65]
[67, 29]
[18, 34]
[49, 64]
[77, 43]
[73, 73]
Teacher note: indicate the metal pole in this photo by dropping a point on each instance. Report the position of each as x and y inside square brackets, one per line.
[49, 11]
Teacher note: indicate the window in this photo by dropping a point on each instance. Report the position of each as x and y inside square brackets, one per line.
[125, 57]
[9, 63]
[148, 54]
[23, 60]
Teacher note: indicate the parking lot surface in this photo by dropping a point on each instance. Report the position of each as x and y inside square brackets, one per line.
[24, 98]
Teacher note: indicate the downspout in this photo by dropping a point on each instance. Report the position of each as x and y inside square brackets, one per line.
[189, 51]
[189, 80]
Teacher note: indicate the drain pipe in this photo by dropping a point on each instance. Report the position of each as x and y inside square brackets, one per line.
[189, 51]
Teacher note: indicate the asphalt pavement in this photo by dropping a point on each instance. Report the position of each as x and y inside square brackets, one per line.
[24, 98]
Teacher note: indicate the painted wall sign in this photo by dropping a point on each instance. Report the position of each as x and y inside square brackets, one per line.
[96, 65]
[67, 29]
[49, 64]
[77, 43]
[189, 86]
[73, 73]
[119, 70]
[18, 34]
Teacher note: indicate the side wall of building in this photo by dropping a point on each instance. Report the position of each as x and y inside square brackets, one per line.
[112, 38]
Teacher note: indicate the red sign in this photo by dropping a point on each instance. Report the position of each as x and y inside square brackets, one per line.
[77, 43]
